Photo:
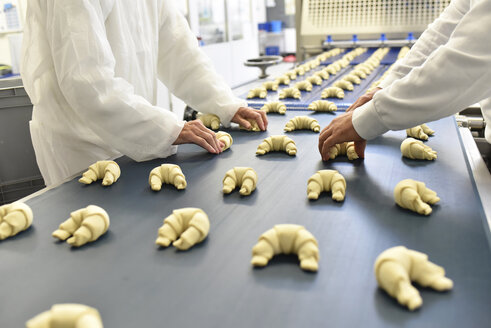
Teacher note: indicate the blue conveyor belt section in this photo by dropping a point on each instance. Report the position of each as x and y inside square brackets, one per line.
[309, 96]
[350, 96]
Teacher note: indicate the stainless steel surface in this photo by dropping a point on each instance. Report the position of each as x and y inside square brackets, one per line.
[263, 62]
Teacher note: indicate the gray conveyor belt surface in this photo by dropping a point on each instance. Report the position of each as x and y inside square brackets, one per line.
[133, 283]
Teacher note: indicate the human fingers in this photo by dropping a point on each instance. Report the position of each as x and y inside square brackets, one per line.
[326, 146]
[360, 148]
[208, 135]
[325, 133]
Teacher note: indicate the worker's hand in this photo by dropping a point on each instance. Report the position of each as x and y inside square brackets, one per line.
[338, 131]
[363, 99]
[247, 113]
[195, 132]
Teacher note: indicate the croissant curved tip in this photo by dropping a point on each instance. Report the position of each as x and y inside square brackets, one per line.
[259, 261]
[156, 187]
[60, 234]
[244, 192]
[309, 265]
[162, 241]
[85, 180]
[313, 195]
[182, 245]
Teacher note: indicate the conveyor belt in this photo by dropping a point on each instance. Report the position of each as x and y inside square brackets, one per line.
[350, 96]
[135, 284]
[309, 96]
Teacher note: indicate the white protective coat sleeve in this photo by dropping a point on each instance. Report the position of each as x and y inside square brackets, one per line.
[435, 35]
[84, 65]
[187, 71]
[454, 76]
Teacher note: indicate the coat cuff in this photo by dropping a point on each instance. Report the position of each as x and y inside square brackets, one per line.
[230, 111]
[367, 122]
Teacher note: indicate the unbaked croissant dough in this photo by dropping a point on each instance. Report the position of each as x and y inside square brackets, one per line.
[190, 225]
[277, 143]
[289, 93]
[304, 85]
[345, 148]
[14, 218]
[109, 171]
[416, 149]
[254, 126]
[414, 195]
[284, 79]
[352, 78]
[226, 138]
[327, 180]
[274, 107]
[314, 79]
[359, 73]
[292, 75]
[302, 123]
[323, 106]
[299, 70]
[332, 92]
[84, 225]
[271, 85]
[287, 239]
[259, 92]
[420, 131]
[167, 173]
[396, 267]
[211, 121]
[67, 316]
[343, 84]
[331, 69]
[323, 74]
[243, 177]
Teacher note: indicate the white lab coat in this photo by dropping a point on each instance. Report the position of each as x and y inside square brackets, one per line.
[90, 68]
[447, 69]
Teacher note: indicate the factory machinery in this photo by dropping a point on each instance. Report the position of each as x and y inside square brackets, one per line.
[135, 284]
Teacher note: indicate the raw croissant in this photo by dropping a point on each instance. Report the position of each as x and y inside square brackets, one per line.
[415, 149]
[323, 106]
[352, 78]
[314, 79]
[343, 84]
[243, 177]
[327, 180]
[331, 69]
[167, 173]
[225, 138]
[190, 225]
[277, 143]
[304, 85]
[289, 93]
[420, 131]
[14, 218]
[254, 126]
[67, 315]
[292, 75]
[84, 225]
[332, 92]
[271, 85]
[299, 70]
[211, 121]
[363, 68]
[396, 267]
[287, 239]
[109, 171]
[359, 73]
[345, 148]
[322, 74]
[274, 107]
[284, 79]
[302, 123]
[414, 195]
[259, 92]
